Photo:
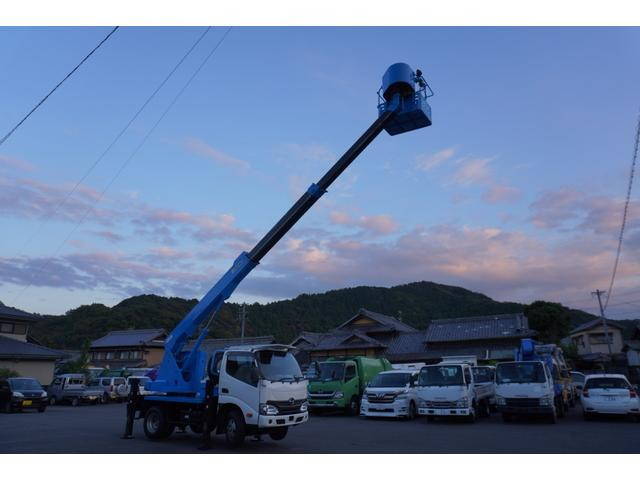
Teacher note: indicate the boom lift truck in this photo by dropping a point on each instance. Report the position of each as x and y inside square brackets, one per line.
[259, 389]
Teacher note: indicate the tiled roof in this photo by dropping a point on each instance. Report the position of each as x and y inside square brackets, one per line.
[312, 337]
[407, 342]
[129, 338]
[11, 348]
[335, 341]
[15, 314]
[479, 328]
[594, 323]
[212, 344]
[384, 320]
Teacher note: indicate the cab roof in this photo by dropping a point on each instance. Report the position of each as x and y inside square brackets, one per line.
[605, 375]
[257, 348]
[403, 370]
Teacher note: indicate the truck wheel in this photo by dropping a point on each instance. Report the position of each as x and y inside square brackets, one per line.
[75, 402]
[484, 409]
[234, 430]
[507, 418]
[156, 424]
[471, 418]
[354, 406]
[52, 401]
[278, 433]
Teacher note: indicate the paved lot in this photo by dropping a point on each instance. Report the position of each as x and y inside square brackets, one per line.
[96, 429]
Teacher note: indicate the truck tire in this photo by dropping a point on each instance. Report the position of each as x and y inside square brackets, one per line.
[75, 402]
[354, 406]
[156, 424]
[234, 429]
[412, 411]
[484, 410]
[52, 401]
[278, 433]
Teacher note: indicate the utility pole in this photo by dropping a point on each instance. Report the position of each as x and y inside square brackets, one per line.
[598, 293]
[243, 317]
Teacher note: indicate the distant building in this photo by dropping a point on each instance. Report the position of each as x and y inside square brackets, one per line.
[20, 352]
[128, 349]
[489, 337]
[210, 345]
[590, 339]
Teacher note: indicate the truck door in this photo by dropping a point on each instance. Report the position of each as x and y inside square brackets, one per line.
[351, 380]
[239, 381]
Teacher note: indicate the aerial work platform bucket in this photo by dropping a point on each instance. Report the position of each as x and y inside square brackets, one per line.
[399, 94]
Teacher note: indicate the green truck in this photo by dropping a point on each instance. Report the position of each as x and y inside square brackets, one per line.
[339, 382]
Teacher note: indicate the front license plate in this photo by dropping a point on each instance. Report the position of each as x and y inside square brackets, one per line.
[26, 403]
[611, 398]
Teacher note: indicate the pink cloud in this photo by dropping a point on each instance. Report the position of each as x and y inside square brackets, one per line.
[377, 224]
[199, 147]
[428, 162]
[16, 163]
[501, 194]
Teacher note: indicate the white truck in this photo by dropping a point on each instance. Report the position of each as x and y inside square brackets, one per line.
[449, 390]
[391, 394]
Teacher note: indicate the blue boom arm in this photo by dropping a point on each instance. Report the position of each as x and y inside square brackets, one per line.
[182, 371]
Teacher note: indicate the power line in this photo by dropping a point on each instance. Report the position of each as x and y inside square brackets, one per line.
[4, 139]
[126, 162]
[84, 176]
[624, 213]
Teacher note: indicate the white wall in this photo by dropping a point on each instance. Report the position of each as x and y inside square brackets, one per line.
[41, 370]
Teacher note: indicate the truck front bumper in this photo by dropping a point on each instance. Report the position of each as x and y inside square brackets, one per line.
[326, 404]
[393, 409]
[444, 412]
[540, 410]
[268, 421]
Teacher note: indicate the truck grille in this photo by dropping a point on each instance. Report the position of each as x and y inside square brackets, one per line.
[384, 398]
[321, 395]
[286, 407]
[523, 402]
[442, 404]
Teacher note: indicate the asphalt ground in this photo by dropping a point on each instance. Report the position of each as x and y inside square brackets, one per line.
[97, 429]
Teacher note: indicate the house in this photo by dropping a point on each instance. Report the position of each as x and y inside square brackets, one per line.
[366, 333]
[489, 337]
[128, 349]
[590, 339]
[20, 352]
[211, 345]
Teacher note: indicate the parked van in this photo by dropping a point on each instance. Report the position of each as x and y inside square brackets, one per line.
[110, 386]
[340, 382]
[391, 394]
[71, 388]
[449, 389]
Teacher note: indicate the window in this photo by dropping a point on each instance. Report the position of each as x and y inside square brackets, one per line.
[521, 372]
[599, 338]
[124, 355]
[57, 381]
[109, 356]
[607, 382]
[388, 380]
[106, 382]
[20, 329]
[242, 367]
[278, 365]
[350, 372]
[6, 327]
[100, 355]
[136, 355]
[483, 374]
[118, 381]
[467, 375]
[440, 376]
[76, 381]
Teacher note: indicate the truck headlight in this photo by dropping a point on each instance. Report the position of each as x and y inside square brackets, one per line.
[268, 409]
[304, 407]
[546, 401]
[501, 400]
[462, 403]
[338, 395]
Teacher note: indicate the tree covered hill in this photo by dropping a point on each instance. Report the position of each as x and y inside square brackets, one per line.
[416, 303]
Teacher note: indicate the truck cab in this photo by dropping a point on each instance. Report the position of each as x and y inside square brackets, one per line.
[525, 388]
[247, 390]
[449, 389]
[340, 382]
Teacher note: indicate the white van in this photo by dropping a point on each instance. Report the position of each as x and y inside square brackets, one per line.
[391, 394]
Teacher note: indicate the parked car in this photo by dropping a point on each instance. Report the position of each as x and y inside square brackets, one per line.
[109, 386]
[577, 382]
[610, 394]
[19, 393]
[71, 388]
[449, 389]
[391, 394]
[125, 389]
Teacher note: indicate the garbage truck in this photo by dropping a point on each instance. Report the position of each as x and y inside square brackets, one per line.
[340, 382]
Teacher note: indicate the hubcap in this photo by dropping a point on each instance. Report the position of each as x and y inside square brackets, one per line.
[153, 422]
[231, 427]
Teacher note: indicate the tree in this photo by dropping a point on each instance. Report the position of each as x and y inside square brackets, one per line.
[8, 373]
[80, 364]
[551, 320]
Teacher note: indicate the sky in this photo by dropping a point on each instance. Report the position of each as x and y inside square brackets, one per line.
[516, 190]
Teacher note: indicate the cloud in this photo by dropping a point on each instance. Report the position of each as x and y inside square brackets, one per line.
[473, 170]
[377, 224]
[199, 147]
[109, 235]
[501, 194]
[427, 162]
[16, 163]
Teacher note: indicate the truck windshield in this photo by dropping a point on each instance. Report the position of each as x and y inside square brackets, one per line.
[521, 372]
[482, 374]
[278, 365]
[391, 380]
[441, 376]
[24, 384]
[331, 371]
